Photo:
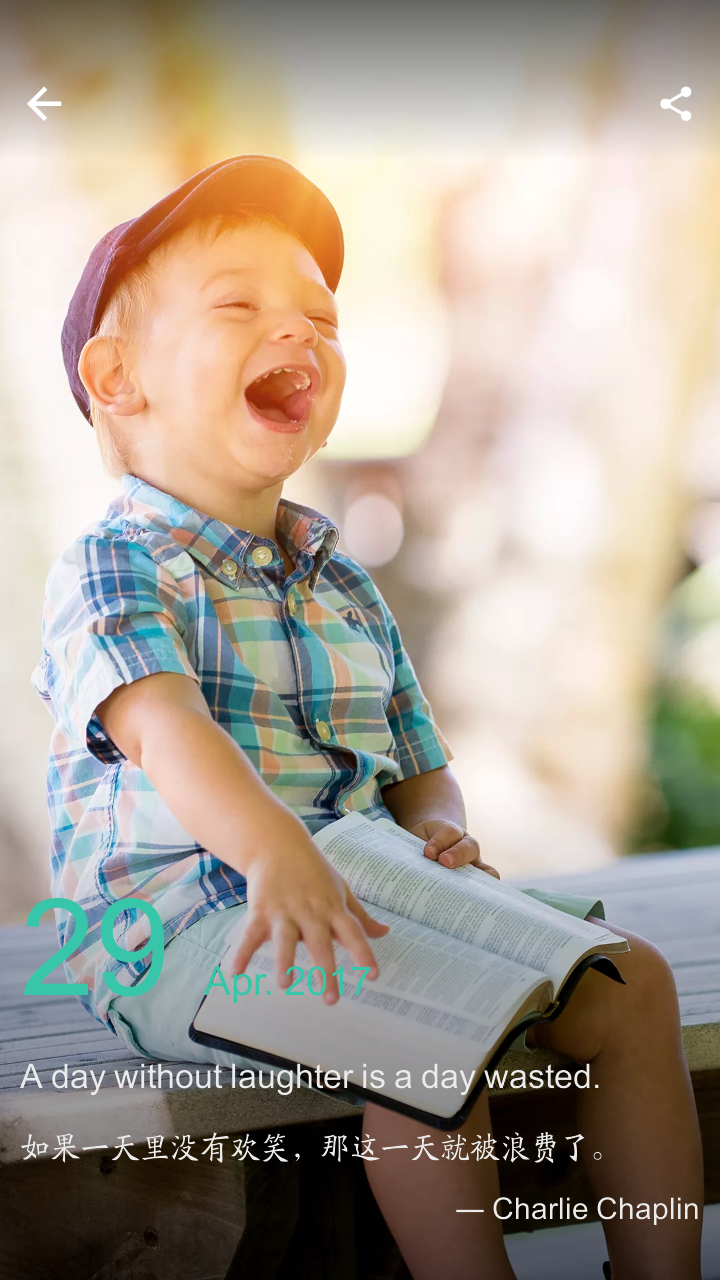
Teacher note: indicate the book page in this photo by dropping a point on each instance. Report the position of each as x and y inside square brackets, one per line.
[383, 865]
[422, 971]
[437, 1003]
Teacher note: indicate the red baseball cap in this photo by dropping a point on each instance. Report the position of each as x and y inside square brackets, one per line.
[262, 183]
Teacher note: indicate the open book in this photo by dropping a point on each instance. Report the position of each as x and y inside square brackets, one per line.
[468, 962]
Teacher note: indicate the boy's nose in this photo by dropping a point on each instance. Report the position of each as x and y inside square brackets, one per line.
[295, 329]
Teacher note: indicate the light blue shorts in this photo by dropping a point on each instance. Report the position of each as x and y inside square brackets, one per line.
[156, 1024]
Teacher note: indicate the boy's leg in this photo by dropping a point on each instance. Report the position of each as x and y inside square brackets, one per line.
[639, 1112]
[419, 1198]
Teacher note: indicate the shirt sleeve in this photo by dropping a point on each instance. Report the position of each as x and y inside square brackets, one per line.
[112, 615]
[419, 744]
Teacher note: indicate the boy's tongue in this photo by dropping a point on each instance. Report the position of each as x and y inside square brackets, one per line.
[277, 398]
[297, 405]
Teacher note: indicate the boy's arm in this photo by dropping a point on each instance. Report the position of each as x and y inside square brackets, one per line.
[163, 725]
[430, 805]
[427, 801]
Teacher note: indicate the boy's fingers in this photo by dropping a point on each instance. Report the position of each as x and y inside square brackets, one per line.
[438, 843]
[285, 937]
[352, 938]
[432, 851]
[371, 926]
[484, 866]
[255, 933]
[318, 940]
[447, 836]
[464, 851]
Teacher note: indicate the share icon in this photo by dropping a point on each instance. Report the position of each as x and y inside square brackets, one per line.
[667, 103]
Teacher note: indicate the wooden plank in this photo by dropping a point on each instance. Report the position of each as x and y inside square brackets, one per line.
[60, 1042]
[700, 865]
[694, 950]
[182, 1221]
[166, 1220]
[23, 1021]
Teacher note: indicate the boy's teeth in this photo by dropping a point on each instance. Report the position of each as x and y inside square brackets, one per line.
[302, 379]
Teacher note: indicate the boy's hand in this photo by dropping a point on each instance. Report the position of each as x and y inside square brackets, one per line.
[450, 845]
[162, 723]
[294, 894]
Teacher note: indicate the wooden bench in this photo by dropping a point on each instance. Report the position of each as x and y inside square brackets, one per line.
[138, 1231]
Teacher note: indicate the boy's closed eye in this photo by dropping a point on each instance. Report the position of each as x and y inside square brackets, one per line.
[238, 304]
[325, 322]
[315, 317]
[320, 320]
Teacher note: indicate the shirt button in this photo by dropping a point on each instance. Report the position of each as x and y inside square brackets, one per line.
[292, 605]
[323, 730]
[261, 555]
[229, 568]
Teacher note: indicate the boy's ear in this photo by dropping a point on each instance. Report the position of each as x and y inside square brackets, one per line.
[105, 377]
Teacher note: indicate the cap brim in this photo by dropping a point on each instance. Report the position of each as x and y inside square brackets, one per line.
[264, 183]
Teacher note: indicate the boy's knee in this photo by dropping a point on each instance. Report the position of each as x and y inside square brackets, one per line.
[645, 968]
[602, 1009]
[650, 991]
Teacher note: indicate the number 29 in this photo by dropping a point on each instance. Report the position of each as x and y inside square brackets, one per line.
[35, 986]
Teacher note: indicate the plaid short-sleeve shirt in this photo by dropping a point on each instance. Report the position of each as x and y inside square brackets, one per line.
[306, 671]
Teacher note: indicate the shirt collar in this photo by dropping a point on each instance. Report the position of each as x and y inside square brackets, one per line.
[309, 537]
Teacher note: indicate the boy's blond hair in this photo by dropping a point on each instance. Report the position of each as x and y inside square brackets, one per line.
[130, 303]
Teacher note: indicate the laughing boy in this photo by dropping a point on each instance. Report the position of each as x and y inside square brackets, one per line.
[224, 683]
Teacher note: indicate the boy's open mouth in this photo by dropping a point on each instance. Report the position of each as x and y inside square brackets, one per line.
[284, 395]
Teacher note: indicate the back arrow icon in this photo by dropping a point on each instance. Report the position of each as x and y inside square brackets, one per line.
[33, 103]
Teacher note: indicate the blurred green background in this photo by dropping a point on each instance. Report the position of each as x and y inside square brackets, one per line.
[528, 456]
